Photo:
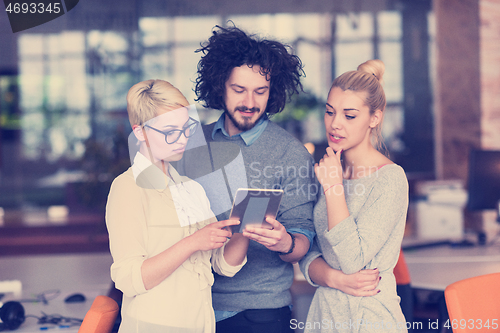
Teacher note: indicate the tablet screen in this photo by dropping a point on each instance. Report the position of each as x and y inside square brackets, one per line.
[252, 206]
[256, 210]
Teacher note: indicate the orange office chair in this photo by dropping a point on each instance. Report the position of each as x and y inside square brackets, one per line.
[474, 303]
[101, 316]
[401, 271]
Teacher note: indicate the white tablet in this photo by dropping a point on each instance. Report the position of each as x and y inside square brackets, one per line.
[252, 206]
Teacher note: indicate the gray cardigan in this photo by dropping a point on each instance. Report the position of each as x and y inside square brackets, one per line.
[369, 238]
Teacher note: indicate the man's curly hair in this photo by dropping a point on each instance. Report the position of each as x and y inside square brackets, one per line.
[231, 47]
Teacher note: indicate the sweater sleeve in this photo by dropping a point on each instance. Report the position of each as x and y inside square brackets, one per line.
[355, 242]
[300, 189]
[126, 222]
[304, 263]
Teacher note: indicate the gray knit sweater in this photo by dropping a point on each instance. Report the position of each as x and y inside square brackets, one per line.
[369, 238]
[275, 160]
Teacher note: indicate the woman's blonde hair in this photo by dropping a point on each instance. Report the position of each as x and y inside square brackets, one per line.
[368, 78]
[146, 98]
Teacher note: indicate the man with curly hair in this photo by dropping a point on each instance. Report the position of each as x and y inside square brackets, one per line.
[250, 79]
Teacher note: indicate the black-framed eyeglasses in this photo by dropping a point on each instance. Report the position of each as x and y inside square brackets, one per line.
[171, 136]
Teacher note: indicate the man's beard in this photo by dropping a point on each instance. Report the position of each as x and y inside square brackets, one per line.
[246, 124]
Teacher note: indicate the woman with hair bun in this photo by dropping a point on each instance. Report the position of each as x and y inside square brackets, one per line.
[361, 213]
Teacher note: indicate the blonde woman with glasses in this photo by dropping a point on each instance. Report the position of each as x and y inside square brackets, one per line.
[164, 238]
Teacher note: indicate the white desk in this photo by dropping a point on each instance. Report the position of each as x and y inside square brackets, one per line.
[435, 268]
[70, 273]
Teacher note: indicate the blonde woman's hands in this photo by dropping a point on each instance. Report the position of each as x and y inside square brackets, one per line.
[329, 169]
[363, 283]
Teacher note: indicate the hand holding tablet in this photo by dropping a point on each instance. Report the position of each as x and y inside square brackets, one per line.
[252, 206]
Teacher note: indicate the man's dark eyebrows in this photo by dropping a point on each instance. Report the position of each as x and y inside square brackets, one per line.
[236, 85]
[242, 87]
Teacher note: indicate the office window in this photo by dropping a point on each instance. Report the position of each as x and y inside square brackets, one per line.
[167, 47]
[390, 50]
[73, 84]
[53, 95]
[308, 34]
[354, 41]
[364, 36]
[110, 64]
[156, 40]
[360, 37]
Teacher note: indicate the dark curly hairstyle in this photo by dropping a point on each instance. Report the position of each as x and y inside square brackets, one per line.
[231, 47]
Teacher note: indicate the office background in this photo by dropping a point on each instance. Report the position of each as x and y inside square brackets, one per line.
[64, 126]
[63, 121]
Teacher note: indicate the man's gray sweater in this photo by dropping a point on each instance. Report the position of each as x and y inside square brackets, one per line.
[275, 160]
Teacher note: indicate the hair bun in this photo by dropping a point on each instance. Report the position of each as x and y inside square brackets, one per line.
[375, 67]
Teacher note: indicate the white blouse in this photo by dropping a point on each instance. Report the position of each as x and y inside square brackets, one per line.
[147, 212]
